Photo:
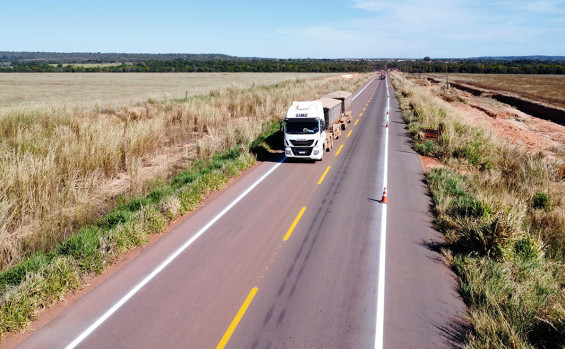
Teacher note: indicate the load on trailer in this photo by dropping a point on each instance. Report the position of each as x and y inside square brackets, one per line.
[346, 99]
[332, 117]
[310, 127]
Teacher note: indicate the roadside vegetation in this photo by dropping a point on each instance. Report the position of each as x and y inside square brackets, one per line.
[62, 221]
[502, 212]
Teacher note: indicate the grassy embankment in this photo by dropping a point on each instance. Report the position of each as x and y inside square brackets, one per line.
[55, 160]
[502, 212]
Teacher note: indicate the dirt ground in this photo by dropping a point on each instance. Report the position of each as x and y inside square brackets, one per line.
[532, 133]
[548, 89]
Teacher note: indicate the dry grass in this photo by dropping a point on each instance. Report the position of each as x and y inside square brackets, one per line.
[545, 88]
[61, 167]
[115, 89]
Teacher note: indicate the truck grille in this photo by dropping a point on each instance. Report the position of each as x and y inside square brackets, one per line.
[301, 151]
[302, 143]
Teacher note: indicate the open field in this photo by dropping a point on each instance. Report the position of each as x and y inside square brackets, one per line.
[114, 89]
[544, 88]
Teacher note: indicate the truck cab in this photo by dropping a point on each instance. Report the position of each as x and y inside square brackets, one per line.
[305, 131]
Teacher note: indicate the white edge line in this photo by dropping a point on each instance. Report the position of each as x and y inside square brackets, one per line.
[363, 89]
[164, 264]
[379, 333]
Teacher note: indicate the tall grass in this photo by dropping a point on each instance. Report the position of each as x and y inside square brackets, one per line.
[502, 212]
[58, 165]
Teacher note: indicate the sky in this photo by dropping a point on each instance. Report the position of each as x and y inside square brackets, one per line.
[288, 29]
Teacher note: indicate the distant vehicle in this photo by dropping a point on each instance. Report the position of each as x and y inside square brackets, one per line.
[382, 76]
[310, 127]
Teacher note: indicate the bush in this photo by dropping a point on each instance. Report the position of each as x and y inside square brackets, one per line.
[18, 273]
[469, 207]
[540, 201]
[85, 248]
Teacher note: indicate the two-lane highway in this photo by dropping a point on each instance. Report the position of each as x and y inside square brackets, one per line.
[323, 287]
[288, 256]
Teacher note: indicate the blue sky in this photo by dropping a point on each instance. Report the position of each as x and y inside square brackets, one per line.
[288, 29]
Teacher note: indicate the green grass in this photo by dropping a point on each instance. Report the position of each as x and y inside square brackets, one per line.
[502, 213]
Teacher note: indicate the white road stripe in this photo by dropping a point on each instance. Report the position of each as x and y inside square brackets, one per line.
[164, 264]
[363, 89]
[379, 335]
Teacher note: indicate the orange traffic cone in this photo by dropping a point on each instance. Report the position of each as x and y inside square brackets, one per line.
[384, 199]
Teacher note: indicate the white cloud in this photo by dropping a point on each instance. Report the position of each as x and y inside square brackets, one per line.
[543, 6]
[372, 5]
[435, 28]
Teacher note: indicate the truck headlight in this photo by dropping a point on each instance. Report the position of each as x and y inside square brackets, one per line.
[287, 152]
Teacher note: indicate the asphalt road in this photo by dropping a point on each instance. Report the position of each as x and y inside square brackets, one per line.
[293, 263]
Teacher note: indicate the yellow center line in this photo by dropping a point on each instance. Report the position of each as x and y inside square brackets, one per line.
[341, 146]
[294, 224]
[356, 121]
[326, 171]
[364, 109]
[360, 115]
[349, 134]
[367, 104]
[237, 318]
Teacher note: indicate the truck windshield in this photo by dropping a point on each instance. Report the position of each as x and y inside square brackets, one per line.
[306, 127]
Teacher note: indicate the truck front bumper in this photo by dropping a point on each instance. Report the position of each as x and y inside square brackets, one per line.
[313, 153]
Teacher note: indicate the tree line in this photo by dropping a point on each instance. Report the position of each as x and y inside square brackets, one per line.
[220, 65]
[518, 66]
[98, 57]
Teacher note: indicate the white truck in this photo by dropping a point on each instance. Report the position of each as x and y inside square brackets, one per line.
[310, 127]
